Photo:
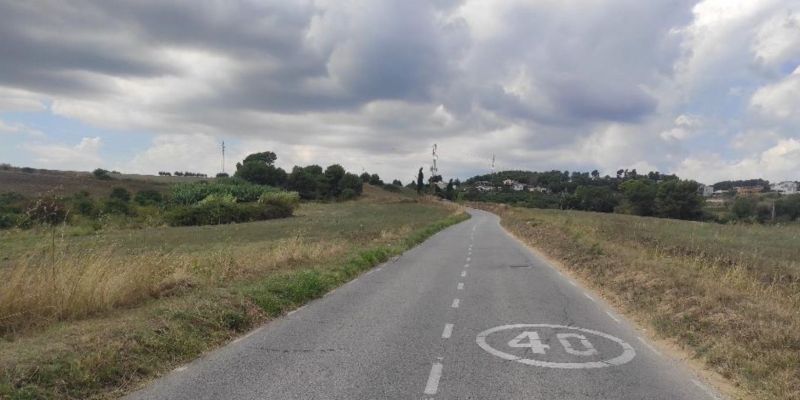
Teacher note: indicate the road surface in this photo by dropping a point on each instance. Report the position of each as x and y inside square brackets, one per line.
[469, 314]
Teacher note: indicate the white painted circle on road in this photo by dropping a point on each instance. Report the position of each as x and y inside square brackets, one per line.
[530, 339]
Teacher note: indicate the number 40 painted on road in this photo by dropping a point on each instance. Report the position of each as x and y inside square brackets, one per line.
[537, 347]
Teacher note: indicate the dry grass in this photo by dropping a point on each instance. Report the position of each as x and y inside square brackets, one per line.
[105, 312]
[728, 294]
[40, 289]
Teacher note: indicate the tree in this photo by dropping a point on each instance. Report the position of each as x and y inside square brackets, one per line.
[397, 182]
[101, 174]
[640, 196]
[595, 174]
[450, 193]
[679, 199]
[308, 181]
[259, 168]
[364, 177]
[333, 175]
[595, 198]
[266, 157]
[374, 179]
[351, 182]
[420, 181]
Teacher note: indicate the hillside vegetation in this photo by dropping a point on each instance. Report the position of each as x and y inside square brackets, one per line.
[93, 316]
[729, 294]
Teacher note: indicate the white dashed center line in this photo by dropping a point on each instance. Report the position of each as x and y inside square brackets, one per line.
[455, 303]
[466, 265]
[590, 297]
[463, 273]
[460, 286]
[433, 379]
[448, 330]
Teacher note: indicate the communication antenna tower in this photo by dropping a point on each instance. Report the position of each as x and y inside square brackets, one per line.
[434, 168]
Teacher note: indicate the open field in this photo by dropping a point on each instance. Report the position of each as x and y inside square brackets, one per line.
[728, 294]
[64, 183]
[93, 316]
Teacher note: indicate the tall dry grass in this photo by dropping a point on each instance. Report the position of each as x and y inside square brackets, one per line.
[44, 287]
[730, 295]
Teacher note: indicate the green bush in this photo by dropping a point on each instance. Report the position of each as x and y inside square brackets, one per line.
[220, 212]
[148, 198]
[121, 194]
[8, 220]
[102, 174]
[284, 199]
[348, 194]
[193, 193]
[116, 206]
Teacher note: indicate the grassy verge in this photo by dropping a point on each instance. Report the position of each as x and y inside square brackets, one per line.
[727, 294]
[201, 294]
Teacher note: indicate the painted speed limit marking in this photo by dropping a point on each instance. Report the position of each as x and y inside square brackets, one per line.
[555, 346]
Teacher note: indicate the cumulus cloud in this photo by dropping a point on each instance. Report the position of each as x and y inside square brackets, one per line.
[570, 84]
[82, 156]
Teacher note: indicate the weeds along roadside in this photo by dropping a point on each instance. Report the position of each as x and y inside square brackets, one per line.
[729, 295]
[102, 358]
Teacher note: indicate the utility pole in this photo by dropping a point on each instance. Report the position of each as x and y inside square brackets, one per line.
[223, 156]
[492, 163]
[434, 167]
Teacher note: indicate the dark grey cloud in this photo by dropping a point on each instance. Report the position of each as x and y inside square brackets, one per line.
[387, 75]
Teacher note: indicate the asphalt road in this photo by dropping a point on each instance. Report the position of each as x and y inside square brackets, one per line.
[469, 314]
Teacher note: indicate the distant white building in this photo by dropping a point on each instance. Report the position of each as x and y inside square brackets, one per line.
[538, 189]
[484, 186]
[706, 190]
[785, 187]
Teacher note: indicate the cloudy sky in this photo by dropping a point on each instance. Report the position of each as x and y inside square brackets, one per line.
[708, 89]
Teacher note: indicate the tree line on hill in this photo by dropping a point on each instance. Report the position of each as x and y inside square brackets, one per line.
[652, 194]
[311, 182]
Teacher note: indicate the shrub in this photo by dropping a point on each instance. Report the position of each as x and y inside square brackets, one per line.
[101, 174]
[116, 206]
[284, 199]
[121, 194]
[192, 193]
[219, 212]
[83, 204]
[8, 220]
[223, 175]
[392, 188]
[12, 202]
[46, 210]
[148, 198]
[216, 198]
[348, 194]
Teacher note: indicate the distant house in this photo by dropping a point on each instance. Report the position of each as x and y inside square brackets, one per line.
[748, 190]
[785, 187]
[441, 185]
[706, 190]
[538, 189]
[514, 185]
[483, 186]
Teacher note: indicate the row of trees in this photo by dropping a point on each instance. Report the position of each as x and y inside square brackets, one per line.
[653, 194]
[311, 182]
[182, 173]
